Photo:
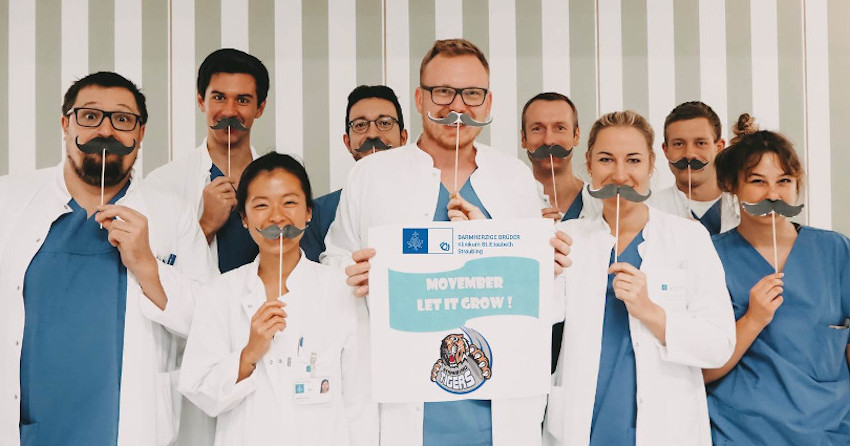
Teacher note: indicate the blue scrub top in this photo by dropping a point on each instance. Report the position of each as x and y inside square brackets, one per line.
[792, 387]
[75, 292]
[711, 218]
[324, 212]
[465, 422]
[615, 405]
[235, 245]
[558, 329]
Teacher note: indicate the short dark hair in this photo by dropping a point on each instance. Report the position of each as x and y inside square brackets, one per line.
[373, 91]
[106, 79]
[693, 110]
[267, 163]
[550, 96]
[746, 152]
[230, 60]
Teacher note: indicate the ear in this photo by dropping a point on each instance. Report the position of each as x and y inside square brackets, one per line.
[309, 215]
[260, 109]
[347, 141]
[200, 100]
[576, 136]
[404, 137]
[664, 148]
[522, 140]
[244, 221]
[66, 121]
[141, 134]
[720, 144]
[418, 95]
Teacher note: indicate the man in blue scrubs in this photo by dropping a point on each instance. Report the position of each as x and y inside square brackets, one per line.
[373, 113]
[231, 84]
[93, 293]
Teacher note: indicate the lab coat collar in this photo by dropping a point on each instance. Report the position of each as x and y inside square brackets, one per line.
[479, 150]
[650, 230]
[206, 160]
[61, 188]
[255, 292]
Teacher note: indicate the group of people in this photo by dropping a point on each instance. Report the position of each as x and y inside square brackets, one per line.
[190, 307]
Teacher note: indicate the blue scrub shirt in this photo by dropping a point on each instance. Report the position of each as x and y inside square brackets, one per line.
[75, 293]
[711, 218]
[324, 212]
[558, 329]
[615, 405]
[235, 245]
[465, 422]
[792, 387]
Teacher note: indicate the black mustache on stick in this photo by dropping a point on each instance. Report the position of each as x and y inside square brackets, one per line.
[556, 150]
[454, 117]
[98, 144]
[373, 143]
[683, 164]
[272, 232]
[612, 190]
[766, 206]
[231, 122]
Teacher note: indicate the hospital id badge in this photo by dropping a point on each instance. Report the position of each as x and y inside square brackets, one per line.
[312, 390]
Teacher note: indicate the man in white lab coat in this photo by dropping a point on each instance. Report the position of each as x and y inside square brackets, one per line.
[412, 184]
[89, 315]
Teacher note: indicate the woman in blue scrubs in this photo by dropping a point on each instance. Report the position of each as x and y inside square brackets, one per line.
[787, 382]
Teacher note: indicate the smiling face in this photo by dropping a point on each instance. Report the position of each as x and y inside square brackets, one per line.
[371, 109]
[549, 122]
[88, 166]
[767, 180]
[692, 138]
[275, 197]
[230, 95]
[457, 72]
[620, 156]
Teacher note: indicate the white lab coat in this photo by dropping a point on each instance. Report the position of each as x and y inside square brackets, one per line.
[685, 277]
[261, 409]
[401, 186]
[673, 201]
[590, 207]
[187, 176]
[149, 405]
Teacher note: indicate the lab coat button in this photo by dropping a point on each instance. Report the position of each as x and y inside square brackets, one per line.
[271, 361]
[19, 288]
[17, 343]
[38, 240]
[16, 397]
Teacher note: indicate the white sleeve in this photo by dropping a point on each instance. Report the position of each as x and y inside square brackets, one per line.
[361, 412]
[343, 235]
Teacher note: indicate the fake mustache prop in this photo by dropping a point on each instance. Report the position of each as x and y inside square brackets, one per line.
[373, 144]
[100, 144]
[772, 207]
[457, 119]
[623, 190]
[767, 206]
[693, 163]
[272, 232]
[454, 118]
[231, 122]
[545, 151]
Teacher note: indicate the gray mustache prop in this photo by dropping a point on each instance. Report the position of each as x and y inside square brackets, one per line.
[694, 163]
[766, 206]
[373, 143]
[110, 144]
[612, 190]
[556, 150]
[272, 232]
[231, 122]
[454, 117]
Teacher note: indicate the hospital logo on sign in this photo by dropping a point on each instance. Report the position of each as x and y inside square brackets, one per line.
[465, 362]
[427, 240]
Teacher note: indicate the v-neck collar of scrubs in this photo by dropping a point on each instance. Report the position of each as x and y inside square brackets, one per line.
[803, 232]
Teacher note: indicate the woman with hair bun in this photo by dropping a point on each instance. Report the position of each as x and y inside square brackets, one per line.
[787, 382]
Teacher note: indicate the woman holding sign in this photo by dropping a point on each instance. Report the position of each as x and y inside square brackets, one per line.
[275, 350]
[646, 308]
[788, 380]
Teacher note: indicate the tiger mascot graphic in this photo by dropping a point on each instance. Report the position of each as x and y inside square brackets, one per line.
[463, 366]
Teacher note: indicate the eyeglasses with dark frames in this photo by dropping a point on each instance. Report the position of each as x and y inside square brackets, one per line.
[92, 117]
[444, 95]
[383, 123]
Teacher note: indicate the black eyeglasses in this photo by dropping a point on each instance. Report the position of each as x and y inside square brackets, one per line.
[471, 96]
[383, 123]
[93, 117]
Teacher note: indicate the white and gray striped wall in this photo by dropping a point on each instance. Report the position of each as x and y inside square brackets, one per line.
[785, 61]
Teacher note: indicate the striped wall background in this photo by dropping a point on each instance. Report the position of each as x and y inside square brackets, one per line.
[786, 61]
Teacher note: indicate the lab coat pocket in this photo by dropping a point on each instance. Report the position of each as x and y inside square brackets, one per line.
[668, 287]
[553, 425]
[168, 404]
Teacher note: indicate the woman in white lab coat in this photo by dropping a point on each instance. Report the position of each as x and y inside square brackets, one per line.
[634, 344]
[268, 334]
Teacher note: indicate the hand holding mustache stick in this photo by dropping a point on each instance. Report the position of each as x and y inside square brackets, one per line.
[614, 190]
[457, 119]
[272, 232]
[553, 151]
[772, 207]
[229, 122]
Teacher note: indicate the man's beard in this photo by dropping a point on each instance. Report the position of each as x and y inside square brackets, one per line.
[91, 167]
